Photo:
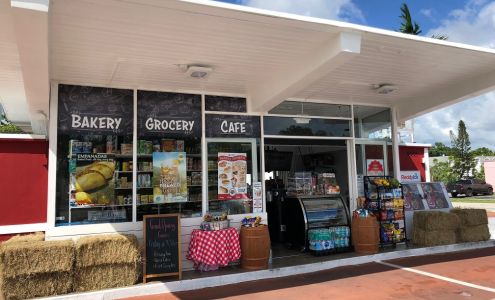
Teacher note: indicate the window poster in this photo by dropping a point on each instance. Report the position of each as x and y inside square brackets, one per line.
[169, 177]
[232, 169]
[374, 167]
[92, 181]
[257, 197]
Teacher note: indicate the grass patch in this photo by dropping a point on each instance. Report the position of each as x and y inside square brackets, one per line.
[472, 200]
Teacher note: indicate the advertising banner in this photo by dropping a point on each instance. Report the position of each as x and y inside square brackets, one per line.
[92, 179]
[409, 176]
[232, 169]
[374, 167]
[257, 197]
[169, 177]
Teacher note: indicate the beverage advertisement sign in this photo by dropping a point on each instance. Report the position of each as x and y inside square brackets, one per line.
[169, 177]
[374, 167]
[232, 169]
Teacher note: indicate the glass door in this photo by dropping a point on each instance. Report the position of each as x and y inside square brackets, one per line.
[232, 170]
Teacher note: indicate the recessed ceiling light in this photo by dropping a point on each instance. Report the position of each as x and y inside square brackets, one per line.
[196, 71]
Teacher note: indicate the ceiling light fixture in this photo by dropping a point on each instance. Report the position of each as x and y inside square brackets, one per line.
[384, 88]
[198, 71]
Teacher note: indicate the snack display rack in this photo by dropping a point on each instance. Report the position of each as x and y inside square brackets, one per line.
[385, 201]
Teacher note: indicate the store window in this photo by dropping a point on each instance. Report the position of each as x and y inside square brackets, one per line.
[371, 122]
[95, 128]
[169, 168]
[305, 126]
[234, 183]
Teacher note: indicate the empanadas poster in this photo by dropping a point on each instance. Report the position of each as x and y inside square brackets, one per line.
[232, 170]
[93, 179]
[169, 177]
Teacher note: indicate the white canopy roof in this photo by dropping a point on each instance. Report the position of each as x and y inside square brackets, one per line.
[267, 56]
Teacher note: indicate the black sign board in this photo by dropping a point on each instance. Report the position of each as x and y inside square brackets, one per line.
[94, 110]
[221, 103]
[161, 113]
[232, 126]
[161, 246]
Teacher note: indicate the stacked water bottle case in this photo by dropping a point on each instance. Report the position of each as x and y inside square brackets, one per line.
[328, 240]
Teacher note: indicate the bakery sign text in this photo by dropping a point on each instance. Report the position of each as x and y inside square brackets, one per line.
[85, 122]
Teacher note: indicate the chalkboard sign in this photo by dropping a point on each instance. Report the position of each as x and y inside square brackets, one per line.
[242, 126]
[94, 110]
[161, 113]
[161, 246]
[221, 103]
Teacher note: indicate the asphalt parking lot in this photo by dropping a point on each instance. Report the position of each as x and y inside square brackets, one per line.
[461, 275]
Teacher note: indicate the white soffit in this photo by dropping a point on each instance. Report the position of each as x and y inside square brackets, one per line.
[12, 95]
[132, 43]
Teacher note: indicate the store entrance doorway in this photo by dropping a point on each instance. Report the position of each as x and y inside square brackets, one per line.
[300, 173]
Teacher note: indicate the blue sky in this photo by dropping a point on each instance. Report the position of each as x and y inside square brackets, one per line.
[465, 21]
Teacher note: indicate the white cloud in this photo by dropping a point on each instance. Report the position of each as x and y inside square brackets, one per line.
[428, 12]
[343, 10]
[477, 113]
[475, 25]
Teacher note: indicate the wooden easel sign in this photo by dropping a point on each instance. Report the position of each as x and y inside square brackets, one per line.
[162, 256]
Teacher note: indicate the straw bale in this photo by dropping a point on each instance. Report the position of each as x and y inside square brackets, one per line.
[23, 259]
[471, 216]
[107, 249]
[473, 234]
[431, 238]
[34, 237]
[435, 220]
[38, 285]
[105, 277]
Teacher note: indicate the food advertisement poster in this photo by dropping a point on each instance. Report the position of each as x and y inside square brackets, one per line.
[232, 169]
[169, 177]
[257, 197]
[374, 167]
[92, 180]
[434, 194]
[413, 199]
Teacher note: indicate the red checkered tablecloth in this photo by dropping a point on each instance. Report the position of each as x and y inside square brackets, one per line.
[214, 248]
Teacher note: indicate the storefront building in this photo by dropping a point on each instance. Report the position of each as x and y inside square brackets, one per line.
[185, 107]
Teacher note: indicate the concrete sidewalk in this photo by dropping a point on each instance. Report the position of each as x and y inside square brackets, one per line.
[221, 280]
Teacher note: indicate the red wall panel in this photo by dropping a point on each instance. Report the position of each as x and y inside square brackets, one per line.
[23, 181]
[411, 159]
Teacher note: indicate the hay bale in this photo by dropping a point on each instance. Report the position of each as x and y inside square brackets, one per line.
[34, 237]
[435, 220]
[39, 285]
[429, 238]
[473, 234]
[105, 277]
[107, 249]
[471, 216]
[24, 259]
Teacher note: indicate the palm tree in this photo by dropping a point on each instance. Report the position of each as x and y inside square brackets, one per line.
[407, 25]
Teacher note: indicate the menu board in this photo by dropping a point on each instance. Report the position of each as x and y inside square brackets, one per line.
[94, 110]
[161, 113]
[162, 246]
[169, 177]
[232, 170]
